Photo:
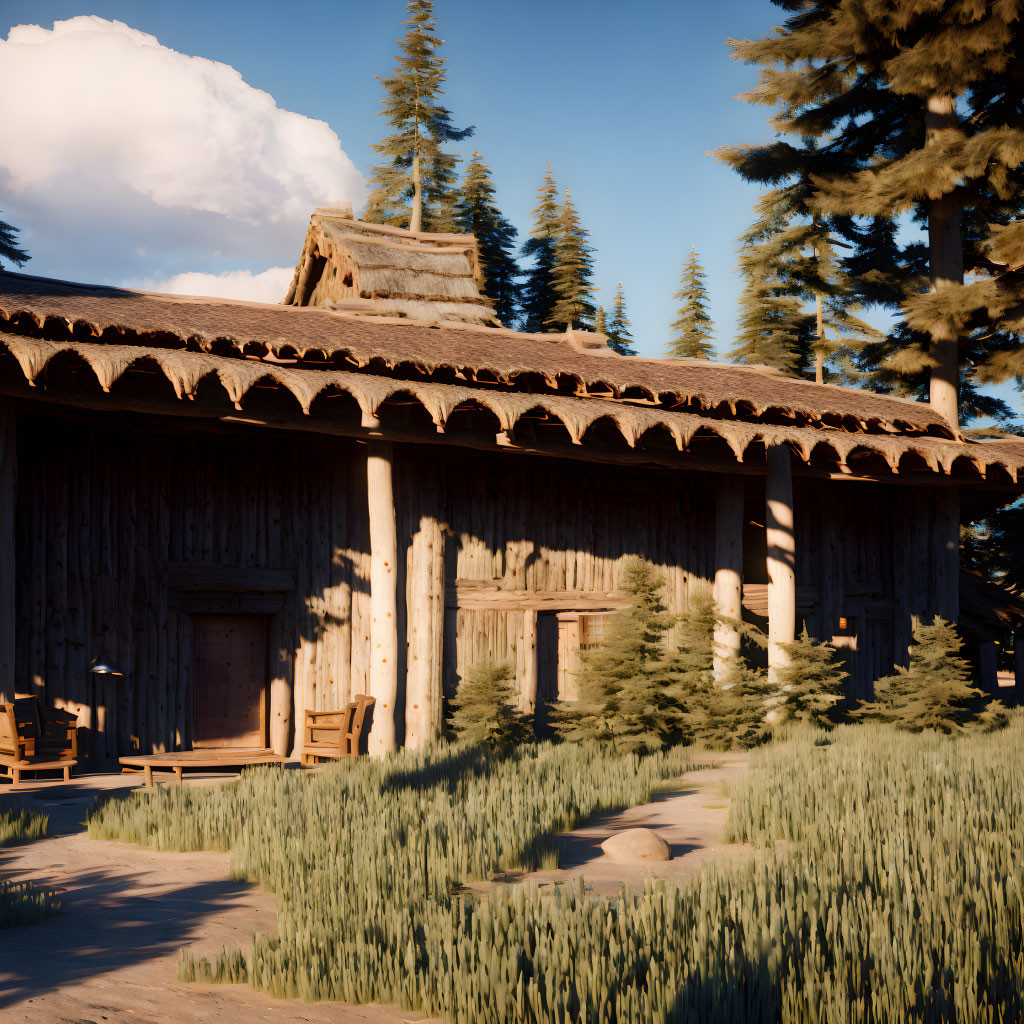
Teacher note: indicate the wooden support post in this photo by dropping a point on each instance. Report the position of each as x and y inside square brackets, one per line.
[8, 485]
[946, 553]
[781, 557]
[1018, 668]
[988, 679]
[426, 628]
[282, 677]
[528, 647]
[728, 570]
[383, 596]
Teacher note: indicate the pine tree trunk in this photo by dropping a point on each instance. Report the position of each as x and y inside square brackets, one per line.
[416, 220]
[946, 269]
[819, 351]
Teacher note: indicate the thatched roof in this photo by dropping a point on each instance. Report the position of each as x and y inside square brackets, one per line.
[584, 420]
[378, 270]
[494, 359]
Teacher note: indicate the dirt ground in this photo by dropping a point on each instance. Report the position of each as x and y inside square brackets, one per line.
[111, 955]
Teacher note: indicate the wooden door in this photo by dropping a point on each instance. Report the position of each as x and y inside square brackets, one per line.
[230, 681]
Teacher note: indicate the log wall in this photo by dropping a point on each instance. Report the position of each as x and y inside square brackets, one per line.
[102, 515]
[119, 529]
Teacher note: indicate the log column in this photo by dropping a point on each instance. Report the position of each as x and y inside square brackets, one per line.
[946, 547]
[282, 680]
[528, 656]
[781, 557]
[426, 628]
[8, 482]
[383, 596]
[728, 570]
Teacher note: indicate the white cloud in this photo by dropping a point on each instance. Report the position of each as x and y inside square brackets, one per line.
[129, 159]
[266, 286]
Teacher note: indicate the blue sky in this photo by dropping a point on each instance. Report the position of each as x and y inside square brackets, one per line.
[626, 101]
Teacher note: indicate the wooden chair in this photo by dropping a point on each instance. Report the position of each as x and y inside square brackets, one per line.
[329, 735]
[36, 738]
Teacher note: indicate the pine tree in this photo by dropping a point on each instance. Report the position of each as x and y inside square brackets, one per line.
[624, 686]
[416, 185]
[538, 290]
[912, 107]
[811, 685]
[619, 337]
[936, 691]
[601, 321]
[9, 248]
[485, 708]
[573, 271]
[476, 214]
[692, 330]
[691, 665]
[772, 328]
[729, 714]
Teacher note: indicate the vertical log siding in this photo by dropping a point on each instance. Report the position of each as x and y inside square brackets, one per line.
[104, 506]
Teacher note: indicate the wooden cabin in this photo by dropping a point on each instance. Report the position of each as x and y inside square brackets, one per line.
[256, 509]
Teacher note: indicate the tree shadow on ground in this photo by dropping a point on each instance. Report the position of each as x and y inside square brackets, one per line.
[107, 922]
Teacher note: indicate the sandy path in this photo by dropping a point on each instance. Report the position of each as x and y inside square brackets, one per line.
[689, 818]
[111, 955]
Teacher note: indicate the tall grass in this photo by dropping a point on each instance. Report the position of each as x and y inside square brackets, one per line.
[897, 897]
[22, 827]
[20, 902]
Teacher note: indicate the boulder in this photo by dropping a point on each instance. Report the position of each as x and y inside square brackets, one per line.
[636, 845]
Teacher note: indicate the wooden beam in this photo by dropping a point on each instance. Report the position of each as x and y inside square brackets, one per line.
[946, 554]
[199, 411]
[781, 557]
[8, 487]
[473, 594]
[383, 597]
[229, 578]
[425, 617]
[728, 589]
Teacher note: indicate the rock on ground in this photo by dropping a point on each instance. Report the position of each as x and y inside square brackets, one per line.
[636, 844]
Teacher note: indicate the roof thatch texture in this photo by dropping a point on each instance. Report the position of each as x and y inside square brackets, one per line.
[492, 358]
[425, 277]
[186, 369]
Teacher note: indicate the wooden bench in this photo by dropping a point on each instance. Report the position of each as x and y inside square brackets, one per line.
[330, 735]
[36, 738]
[178, 760]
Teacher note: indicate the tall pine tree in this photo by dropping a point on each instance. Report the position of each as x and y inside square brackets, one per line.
[495, 236]
[538, 290]
[772, 330]
[573, 271]
[601, 321]
[9, 248]
[415, 186]
[914, 107]
[618, 328]
[692, 330]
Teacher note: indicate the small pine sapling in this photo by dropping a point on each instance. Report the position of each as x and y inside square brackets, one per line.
[936, 691]
[485, 708]
[729, 714]
[690, 666]
[811, 685]
[624, 686]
